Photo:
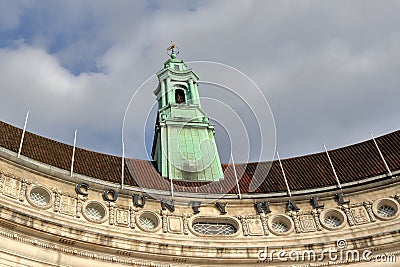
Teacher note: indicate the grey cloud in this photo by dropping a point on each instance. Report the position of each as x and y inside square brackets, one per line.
[328, 69]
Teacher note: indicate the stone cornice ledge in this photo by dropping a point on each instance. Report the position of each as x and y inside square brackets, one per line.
[98, 184]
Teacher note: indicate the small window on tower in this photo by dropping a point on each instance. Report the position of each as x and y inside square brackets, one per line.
[176, 67]
[179, 96]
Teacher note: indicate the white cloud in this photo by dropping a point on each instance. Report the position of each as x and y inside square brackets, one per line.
[328, 69]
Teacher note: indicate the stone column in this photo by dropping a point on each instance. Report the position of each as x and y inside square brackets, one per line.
[169, 92]
[196, 98]
[163, 95]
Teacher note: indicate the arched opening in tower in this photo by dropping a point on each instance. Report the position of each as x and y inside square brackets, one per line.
[179, 96]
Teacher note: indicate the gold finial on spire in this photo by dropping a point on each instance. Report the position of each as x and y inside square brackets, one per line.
[171, 47]
[173, 50]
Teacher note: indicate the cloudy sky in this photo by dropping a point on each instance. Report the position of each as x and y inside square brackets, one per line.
[329, 69]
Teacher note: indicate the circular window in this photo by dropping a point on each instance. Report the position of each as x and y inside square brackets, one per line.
[39, 196]
[386, 208]
[386, 211]
[149, 221]
[332, 219]
[95, 212]
[281, 225]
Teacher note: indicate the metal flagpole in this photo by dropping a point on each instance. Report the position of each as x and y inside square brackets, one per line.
[283, 172]
[172, 187]
[333, 168]
[23, 135]
[380, 153]
[73, 155]
[237, 181]
[123, 165]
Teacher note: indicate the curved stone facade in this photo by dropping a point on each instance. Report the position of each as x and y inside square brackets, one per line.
[48, 218]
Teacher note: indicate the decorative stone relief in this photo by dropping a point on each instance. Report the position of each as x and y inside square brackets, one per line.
[111, 212]
[24, 185]
[186, 223]
[295, 217]
[57, 199]
[245, 227]
[315, 214]
[307, 223]
[264, 223]
[68, 205]
[349, 216]
[164, 221]
[132, 211]
[175, 224]
[79, 204]
[251, 225]
[360, 215]
[255, 227]
[1, 181]
[368, 207]
[11, 187]
[121, 217]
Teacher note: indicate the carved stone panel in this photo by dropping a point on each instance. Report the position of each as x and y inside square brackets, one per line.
[360, 215]
[11, 187]
[2, 177]
[307, 223]
[175, 224]
[67, 205]
[255, 227]
[121, 217]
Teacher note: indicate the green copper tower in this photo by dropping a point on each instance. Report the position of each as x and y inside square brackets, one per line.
[184, 146]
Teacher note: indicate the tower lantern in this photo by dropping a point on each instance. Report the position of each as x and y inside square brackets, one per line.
[184, 146]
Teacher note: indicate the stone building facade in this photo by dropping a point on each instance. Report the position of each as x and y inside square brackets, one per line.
[48, 218]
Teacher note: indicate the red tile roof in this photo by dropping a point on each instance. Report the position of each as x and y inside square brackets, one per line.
[89, 163]
[352, 163]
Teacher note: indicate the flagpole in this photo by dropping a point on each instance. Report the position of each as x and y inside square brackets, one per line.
[333, 168]
[284, 175]
[236, 178]
[380, 153]
[123, 166]
[73, 154]
[23, 135]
